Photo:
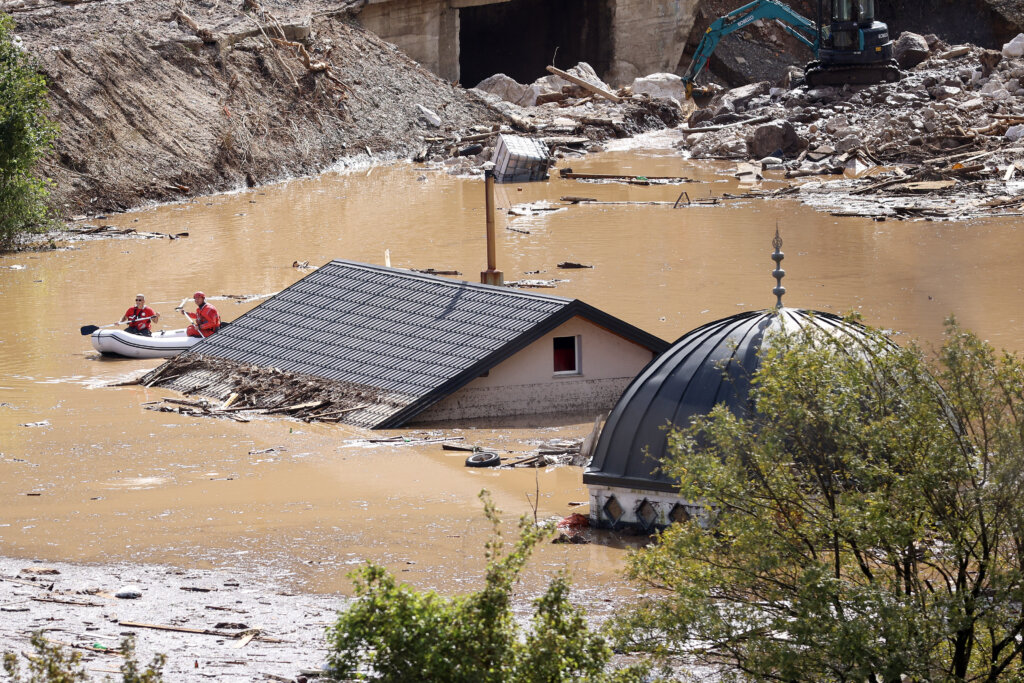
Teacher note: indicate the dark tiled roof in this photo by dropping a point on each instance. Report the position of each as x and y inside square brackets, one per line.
[414, 337]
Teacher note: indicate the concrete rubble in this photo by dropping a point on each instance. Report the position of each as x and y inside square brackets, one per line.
[943, 142]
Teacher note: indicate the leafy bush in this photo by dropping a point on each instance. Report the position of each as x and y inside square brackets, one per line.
[394, 633]
[51, 664]
[863, 524]
[26, 136]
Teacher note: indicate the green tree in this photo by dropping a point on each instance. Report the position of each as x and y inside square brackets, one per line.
[52, 664]
[26, 136]
[864, 523]
[393, 633]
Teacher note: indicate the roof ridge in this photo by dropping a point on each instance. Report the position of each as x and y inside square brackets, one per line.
[412, 274]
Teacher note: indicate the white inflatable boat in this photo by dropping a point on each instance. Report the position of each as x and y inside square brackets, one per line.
[163, 344]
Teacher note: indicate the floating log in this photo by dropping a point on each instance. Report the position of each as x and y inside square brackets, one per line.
[569, 174]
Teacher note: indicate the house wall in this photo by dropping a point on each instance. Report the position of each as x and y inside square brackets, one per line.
[647, 36]
[526, 384]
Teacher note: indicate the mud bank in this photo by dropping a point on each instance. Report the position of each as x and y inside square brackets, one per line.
[156, 103]
[206, 619]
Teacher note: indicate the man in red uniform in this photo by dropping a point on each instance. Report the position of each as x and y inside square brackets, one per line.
[206, 317]
[139, 317]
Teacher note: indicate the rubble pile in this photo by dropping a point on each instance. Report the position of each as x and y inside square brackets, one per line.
[569, 117]
[236, 391]
[948, 135]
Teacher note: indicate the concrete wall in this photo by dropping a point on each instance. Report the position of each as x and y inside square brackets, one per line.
[526, 384]
[648, 35]
[630, 501]
[426, 30]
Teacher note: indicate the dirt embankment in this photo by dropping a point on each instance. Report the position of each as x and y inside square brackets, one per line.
[158, 101]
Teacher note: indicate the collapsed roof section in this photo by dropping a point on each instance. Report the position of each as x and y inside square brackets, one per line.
[407, 339]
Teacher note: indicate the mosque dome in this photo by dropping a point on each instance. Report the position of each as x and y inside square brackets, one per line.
[710, 365]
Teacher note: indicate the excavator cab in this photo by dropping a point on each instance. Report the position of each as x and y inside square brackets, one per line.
[853, 46]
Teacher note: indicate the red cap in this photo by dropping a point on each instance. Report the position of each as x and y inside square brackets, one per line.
[198, 294]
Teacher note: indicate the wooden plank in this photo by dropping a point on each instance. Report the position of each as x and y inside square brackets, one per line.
[584, 84]
[618, 176]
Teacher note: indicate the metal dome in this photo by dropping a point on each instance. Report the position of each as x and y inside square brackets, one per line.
[712, 364]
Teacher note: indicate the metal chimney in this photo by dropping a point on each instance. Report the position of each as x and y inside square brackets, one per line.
[491, 276]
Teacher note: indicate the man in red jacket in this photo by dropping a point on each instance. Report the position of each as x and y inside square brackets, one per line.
[206, 317]
[139, 317]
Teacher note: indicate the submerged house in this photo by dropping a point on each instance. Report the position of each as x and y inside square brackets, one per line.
[415, 347]
[710, 365]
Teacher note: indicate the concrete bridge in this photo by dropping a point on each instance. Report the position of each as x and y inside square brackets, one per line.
[466, 41]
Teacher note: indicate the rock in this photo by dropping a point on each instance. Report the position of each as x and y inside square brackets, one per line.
[508, 89]
[431, 118]
[989, 61]
[661, 85]
[793, 74]
[770, 161]
[944, 92]
[129, 593]
[910, 49]
[699, 116]
[771, 138]
[995, 90]
[1014, 48]
[731, 100]
[1015, 133]
[836, 123]
[39, 571]
[972, 104]
[849, 143]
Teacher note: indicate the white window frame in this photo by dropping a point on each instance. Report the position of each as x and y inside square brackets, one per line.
[577, 345]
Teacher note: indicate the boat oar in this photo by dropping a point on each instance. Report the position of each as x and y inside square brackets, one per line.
[89, 329]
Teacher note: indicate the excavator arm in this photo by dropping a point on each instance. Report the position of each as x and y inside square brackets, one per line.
[805, 30]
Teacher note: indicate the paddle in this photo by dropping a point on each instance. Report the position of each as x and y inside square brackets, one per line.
[89, 329]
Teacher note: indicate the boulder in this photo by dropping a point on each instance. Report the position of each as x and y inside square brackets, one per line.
[508, 89]
[731, 100]
[849, 143]
[774, 138]
[1014, 48]
[1015, 133]
[661, 85]
[700, 116]
[910, 49]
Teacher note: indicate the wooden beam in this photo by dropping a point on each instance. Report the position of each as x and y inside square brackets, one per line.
[459, 4]
[584, 84]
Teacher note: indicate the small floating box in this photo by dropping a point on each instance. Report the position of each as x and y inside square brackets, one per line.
[520, 160]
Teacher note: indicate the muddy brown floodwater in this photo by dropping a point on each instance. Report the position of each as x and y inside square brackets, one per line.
[101, 479]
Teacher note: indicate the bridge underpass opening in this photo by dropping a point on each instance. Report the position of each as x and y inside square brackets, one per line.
[520, 38]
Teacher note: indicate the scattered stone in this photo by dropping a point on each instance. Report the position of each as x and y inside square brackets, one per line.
[129, 592]
[431, 118]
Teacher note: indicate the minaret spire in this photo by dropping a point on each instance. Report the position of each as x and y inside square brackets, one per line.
[778, 273]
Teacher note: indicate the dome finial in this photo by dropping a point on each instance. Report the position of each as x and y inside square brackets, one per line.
[778, 273]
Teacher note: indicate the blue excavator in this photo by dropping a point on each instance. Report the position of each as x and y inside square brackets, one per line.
[849, 45]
